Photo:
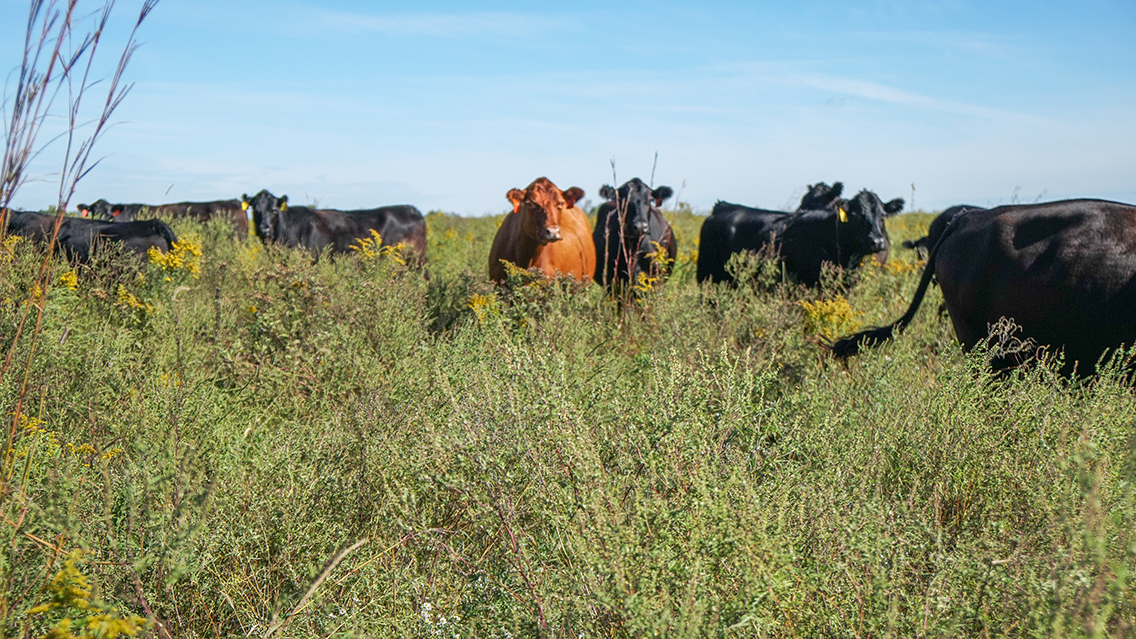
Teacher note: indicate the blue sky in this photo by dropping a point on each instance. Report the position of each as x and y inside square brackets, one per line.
[449, 105]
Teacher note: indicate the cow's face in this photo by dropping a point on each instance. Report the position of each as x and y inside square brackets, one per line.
[634, 202]
[540, 207]
[98, 210]
[861, 224]
[265, 209]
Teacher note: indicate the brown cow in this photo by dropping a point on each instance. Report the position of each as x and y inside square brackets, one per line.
[545, 230]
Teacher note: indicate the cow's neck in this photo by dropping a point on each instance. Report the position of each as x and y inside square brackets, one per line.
[529, 251]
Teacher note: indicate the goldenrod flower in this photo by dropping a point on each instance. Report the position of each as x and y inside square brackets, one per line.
[70, 279]
[372, 247]
[829, 319]
[645, 283]
[126, 299]
[483, 306]
[183, 255]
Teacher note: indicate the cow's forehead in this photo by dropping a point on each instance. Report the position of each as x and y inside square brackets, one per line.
[544, 192]
[637, 188]
[868, 201]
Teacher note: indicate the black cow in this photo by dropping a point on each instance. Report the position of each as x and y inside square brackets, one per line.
[804, 240]
[1065, 272]
[629, 228]
[78, 238]
[817, 197]
[230, 210]
[938, 225]
[100, 209]
[315, 229]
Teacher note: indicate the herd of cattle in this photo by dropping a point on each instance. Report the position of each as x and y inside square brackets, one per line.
[1064, 272]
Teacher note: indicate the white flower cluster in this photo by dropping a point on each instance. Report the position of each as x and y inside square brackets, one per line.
[438, 623]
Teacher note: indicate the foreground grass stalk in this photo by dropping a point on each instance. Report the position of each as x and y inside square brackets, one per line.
[276, 624]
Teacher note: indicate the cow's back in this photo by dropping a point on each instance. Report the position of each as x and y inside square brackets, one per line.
[730, 229]
[1065, 272]
[403, 224]
[33, 226]
[229, 210]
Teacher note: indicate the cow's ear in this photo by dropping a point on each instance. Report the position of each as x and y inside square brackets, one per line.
[283, 203]
[516, 196]
[893, 207]
[836, 190]
[662, 193]
[608, 193]
[244, 202]
[573, 195]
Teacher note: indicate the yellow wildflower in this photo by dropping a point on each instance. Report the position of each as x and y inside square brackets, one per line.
[8, 247]
[829, 319]
[184, 254]
[70, 279]
[368, 246]
[69, 592]
[483, 306]
[127, 300]
[645, 283]
[372, 247]
[659, 258]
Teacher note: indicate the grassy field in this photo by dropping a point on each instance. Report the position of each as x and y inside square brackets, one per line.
[247, 443]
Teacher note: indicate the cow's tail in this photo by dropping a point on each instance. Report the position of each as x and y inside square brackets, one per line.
[851, 345]
[163, 229]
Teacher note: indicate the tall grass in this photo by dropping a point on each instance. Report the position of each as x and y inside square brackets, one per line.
[56, 75]
[545, 460]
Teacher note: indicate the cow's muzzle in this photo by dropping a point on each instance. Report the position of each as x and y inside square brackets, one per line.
[550, 234]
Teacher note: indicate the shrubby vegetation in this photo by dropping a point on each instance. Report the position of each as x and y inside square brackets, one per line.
[237, 441]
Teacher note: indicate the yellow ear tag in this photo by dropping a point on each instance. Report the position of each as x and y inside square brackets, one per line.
[244, 206]
[283, 207]
[842, 214]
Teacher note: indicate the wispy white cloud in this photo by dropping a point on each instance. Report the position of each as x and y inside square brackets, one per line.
[985, 44]
[893, 95]
[446, 25]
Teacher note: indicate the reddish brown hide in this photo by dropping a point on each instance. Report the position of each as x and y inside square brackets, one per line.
[545, 230]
